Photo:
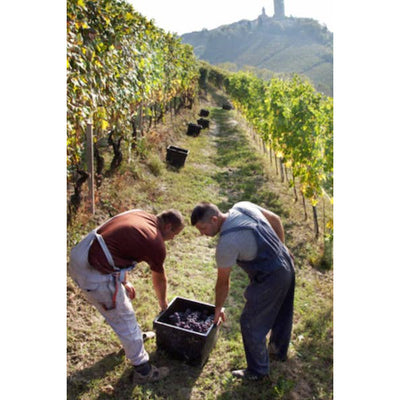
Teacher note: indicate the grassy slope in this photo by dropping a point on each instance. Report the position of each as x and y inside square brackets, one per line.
[224, 165]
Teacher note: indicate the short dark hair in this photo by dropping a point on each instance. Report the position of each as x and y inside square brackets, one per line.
[203, 211]
[173, 217]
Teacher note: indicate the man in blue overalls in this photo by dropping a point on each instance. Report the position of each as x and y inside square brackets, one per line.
[253, 238]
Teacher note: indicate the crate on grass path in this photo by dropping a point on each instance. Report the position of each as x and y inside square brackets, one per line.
[184, 344]
[176, 156]
[193, 129]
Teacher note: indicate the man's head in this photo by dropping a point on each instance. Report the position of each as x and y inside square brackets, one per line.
[207, 218]
[171, 223]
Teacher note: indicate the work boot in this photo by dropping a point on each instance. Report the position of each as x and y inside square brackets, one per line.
[248, 375]
[155, 374]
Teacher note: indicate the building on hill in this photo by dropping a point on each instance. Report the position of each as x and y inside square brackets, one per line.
[279, 9]
[262, 17]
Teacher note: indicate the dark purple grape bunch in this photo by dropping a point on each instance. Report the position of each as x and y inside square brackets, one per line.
[197, 321]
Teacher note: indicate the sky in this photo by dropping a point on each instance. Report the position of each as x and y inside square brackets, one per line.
[183, 16]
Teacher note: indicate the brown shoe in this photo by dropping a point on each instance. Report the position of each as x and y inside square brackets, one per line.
[154, 375]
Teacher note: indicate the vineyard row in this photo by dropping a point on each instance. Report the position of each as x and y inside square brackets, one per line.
[292, 119]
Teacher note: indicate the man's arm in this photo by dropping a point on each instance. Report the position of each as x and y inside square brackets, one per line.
[160, 284]
[275, 222]
[221, 292]
[277, 226]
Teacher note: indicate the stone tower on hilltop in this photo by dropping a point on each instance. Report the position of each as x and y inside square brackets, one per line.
[279, 8]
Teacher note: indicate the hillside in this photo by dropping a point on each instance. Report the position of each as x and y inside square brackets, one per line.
[287, 45]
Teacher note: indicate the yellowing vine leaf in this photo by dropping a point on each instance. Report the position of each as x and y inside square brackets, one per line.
[104, 124]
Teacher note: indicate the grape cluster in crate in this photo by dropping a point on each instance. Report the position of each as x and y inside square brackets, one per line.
[192, 320]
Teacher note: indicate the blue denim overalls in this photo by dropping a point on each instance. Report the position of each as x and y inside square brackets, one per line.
[269, 296]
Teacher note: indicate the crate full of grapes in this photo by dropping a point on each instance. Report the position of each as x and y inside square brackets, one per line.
[185, 330]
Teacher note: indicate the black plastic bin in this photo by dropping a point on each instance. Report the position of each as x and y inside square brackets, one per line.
[183, 344]
[176, 156]
[204, 123]
[204, 113]
[193, 129]
[228, 106]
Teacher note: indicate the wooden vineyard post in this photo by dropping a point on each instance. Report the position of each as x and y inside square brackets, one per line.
[294, 186]
[140, 121]
[286, 174]
[281, 169]
[316, 228]
[89, 155]
[323, 217]
[304, 205]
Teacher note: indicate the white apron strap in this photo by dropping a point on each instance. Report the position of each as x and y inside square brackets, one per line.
[118, 274]
[106, 251]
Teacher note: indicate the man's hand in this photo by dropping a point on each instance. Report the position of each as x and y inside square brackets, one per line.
[219, 315]
[163, 306]
[130, 290]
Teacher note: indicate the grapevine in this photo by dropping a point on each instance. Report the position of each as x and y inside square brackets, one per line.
[294, 121]
[119, 64]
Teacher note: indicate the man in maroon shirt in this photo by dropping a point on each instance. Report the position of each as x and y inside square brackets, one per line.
[98, 264]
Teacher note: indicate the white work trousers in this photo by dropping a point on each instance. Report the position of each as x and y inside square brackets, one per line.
[99, 288]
